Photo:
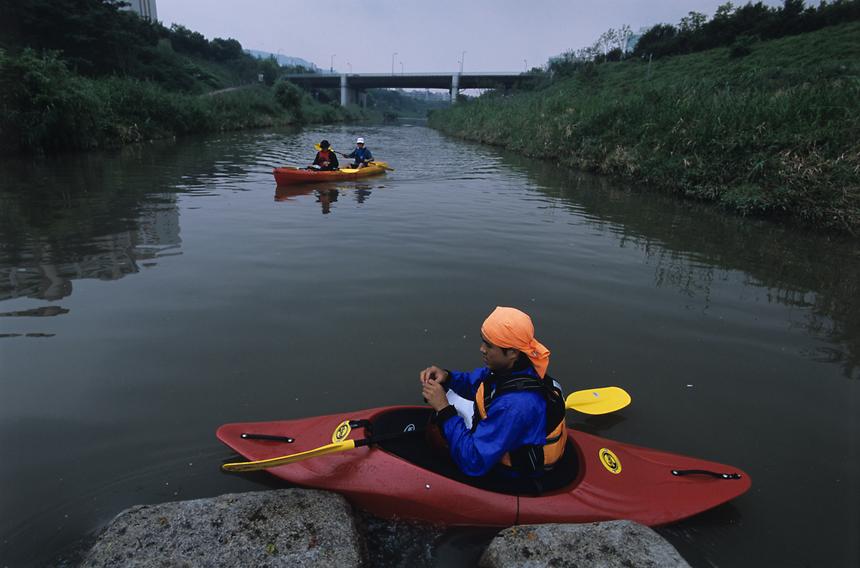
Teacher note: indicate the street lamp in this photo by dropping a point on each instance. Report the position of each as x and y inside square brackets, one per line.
[462, 60]
[526, 63]
[331, 69]
[401, 68]
[392, 62]
[348, 64]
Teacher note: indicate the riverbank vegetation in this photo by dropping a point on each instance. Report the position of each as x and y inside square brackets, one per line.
[81, 74]
[768, 128]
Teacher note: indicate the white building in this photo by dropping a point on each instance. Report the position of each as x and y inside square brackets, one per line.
[144, 8]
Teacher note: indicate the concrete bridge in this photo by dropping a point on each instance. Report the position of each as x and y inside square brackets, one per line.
[353, 85]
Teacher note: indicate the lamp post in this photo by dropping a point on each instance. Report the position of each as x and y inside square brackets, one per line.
[392, 62]
[462, 61]
[526, 63]
[401, 68]
[348, 64]
[331, 68]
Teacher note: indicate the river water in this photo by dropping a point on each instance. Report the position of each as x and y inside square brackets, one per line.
[151, 294]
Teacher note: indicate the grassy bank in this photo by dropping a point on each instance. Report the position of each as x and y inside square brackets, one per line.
[775, 132]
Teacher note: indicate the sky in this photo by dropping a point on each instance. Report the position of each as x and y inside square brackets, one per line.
[368, 36]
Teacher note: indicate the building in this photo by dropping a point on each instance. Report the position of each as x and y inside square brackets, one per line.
[143, 8]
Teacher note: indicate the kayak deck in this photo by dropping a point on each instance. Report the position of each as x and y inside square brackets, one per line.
[293, 175]
[406, 478]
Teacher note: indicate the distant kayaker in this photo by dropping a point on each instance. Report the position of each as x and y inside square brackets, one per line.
[326, 159]
[518, 429]
[361, 155]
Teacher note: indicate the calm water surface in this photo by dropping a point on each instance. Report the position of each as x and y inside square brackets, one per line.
[148, 296]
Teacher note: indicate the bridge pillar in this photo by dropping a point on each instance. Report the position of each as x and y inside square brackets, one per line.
[344, 91]
[455, 87]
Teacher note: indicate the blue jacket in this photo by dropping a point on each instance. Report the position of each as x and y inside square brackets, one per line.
[513, 420]
[360, 155]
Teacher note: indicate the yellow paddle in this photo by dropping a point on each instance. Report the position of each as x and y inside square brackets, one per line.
[594, 401]
[598, 401]
[339, 444]
[382, 165]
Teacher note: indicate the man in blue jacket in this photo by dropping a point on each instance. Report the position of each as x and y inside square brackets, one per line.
[518, 428]
[361, 155]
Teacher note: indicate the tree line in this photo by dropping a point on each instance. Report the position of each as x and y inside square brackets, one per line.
[732, 26]
[96, 38]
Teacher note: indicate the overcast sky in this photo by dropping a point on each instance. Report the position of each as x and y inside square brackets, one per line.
[497, 35]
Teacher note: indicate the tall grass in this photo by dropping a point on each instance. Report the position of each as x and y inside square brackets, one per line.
[774, 133]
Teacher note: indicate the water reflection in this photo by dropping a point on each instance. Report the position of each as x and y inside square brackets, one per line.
[43, 264]
[46, 311]
[325, 194]
[693, 246]
[291, 192]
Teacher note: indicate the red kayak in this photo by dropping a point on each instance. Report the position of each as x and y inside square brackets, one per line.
[291, 175]
[404, 477]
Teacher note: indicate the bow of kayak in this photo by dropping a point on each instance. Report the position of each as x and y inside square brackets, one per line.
[292, 175]
[605, 480]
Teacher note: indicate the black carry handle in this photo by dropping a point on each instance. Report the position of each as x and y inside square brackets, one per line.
[679, 472]
[287, 439]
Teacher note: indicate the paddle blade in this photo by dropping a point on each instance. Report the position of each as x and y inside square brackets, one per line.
[598, 401]
[292, 458]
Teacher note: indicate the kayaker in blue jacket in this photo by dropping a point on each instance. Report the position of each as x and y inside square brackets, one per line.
[518, 428]
[361, 155]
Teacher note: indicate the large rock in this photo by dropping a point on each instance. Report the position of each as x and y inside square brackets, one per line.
[287, 527]
[615, 544]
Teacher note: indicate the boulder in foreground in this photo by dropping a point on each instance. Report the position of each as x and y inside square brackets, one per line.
[286, 527]
[614, 544]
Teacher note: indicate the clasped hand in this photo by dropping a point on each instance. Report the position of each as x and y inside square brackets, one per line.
[431, 387]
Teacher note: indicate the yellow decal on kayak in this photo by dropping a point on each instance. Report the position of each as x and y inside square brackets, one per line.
[609, 460]
[341, 433]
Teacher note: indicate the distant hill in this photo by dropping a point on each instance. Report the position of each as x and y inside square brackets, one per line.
[284, 60]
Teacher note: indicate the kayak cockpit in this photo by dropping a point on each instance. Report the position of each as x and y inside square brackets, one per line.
[420, 450]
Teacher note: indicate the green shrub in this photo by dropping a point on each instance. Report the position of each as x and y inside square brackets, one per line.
[44, 106]
[289, 96]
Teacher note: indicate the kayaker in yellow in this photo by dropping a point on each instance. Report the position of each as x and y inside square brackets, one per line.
[518, 428]
[325, 159]
[361, 155]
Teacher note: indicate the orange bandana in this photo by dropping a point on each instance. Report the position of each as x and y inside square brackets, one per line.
[511, 328]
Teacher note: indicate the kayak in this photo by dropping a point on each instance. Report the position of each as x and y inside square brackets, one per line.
[403, 476]
[291, 175]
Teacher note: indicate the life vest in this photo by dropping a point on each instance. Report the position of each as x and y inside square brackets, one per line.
[361, 154]
[530, 459]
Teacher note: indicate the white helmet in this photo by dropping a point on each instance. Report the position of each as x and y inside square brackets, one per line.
[359, 140]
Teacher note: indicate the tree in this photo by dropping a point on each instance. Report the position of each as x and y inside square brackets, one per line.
[289, 96]
[693, 21]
